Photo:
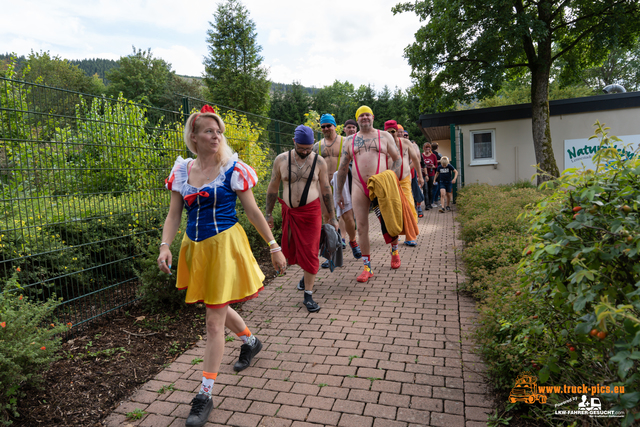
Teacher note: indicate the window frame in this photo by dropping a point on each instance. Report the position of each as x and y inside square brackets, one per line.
[487, 161]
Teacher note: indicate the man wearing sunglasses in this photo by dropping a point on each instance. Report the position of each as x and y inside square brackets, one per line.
[330, 149]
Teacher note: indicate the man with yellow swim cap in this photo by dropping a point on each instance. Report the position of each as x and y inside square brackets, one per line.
[369, 150]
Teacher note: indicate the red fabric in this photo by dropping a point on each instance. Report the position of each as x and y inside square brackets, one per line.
[228, 302]
[305, 223]
[207, 109]
[169, 182]
[434, 160]
[190, 198]
[245, 173]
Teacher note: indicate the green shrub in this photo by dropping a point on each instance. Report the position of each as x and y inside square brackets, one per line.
[584, 260]
[485, 256]
[67, 247]
[485, 212]
[158, 290]
[28, 342]
[577, 273]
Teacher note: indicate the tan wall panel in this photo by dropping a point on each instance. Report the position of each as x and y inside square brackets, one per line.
[514, 142]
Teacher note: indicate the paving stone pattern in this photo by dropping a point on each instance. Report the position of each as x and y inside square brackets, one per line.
[390, 352]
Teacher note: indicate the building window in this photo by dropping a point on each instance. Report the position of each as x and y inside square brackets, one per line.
[483, 147]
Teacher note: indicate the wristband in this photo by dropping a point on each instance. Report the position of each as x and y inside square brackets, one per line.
[163, 243]
[271, 242]
[274, 250]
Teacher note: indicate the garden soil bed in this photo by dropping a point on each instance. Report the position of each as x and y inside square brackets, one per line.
[107, 361]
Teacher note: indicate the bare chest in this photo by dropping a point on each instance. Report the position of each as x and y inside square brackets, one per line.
[299, 172]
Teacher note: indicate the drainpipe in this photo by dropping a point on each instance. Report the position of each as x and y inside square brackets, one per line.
[452, 129]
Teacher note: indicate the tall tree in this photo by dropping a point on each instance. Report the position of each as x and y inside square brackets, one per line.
[468, 47]
[140, 77]
[621, 66]
[234, 73]
[58, 72]
[290, 105]
[337, 99]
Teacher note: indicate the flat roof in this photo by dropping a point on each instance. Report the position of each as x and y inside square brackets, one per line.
[558, 107]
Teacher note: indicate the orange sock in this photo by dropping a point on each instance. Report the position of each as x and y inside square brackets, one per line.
[245, 335]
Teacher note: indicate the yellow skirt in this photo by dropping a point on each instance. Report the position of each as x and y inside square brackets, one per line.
[219, 270]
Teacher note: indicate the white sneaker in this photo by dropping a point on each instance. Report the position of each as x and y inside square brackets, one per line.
[433, 205]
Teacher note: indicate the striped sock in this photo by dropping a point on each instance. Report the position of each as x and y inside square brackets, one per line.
[207, 382]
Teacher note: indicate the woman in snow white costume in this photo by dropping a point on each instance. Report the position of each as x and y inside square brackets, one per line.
[216, 265]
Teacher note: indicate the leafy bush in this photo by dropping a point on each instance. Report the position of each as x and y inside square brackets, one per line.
[158, 290]
[578, 275]
[62, 247]
[488, 212]
[584, 260]
[28, 343]
[106, 134]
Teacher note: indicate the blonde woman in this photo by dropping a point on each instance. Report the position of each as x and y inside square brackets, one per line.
[216, 265]
[444, 172]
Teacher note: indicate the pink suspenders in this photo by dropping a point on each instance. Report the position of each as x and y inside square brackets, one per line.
[355, 161]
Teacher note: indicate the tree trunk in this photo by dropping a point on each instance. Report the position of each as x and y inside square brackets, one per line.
[548, 168]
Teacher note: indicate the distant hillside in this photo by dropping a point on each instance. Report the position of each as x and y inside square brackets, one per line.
[93, 66]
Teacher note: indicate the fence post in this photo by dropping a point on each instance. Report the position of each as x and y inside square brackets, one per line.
[185, 109]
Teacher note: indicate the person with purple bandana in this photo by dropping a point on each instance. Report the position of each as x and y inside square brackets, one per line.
[330, 148]
[301, 211]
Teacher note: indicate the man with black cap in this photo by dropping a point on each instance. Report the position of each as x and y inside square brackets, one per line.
[350, 127]
[301, 212]
[369, 150]
[330, 148]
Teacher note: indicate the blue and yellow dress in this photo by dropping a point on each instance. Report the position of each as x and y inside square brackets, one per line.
[216, 265]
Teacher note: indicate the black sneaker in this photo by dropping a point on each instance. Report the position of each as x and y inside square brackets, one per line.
[311, 305]
[325, 264]
[201, 406]
[247, 352]
[300, 286]
[448, 209]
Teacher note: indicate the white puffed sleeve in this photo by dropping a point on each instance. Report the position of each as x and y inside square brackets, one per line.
[243, 177]
[179, 175]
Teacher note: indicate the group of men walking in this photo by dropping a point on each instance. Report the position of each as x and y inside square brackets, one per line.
[347, 175]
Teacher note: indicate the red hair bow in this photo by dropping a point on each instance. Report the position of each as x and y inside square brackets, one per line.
[207, 109]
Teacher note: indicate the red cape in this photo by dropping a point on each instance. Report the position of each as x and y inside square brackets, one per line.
[302, 246]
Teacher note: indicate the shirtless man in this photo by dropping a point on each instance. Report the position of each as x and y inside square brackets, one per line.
[409, 159]
[368, 149]
[301, 212]
[350, 127]
[330, 148]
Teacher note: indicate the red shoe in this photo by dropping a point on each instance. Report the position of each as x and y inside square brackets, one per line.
[395, 259]
[365, 275]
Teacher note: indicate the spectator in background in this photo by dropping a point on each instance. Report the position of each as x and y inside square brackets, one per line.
[430, 162]
[436, 192]
[350, 127]
[445, 183]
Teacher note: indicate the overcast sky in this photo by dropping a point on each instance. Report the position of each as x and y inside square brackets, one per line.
[314, 43]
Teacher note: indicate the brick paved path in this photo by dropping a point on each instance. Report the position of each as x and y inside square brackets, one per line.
[391, 352]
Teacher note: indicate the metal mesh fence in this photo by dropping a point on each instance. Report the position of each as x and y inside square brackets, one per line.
[82, 195]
